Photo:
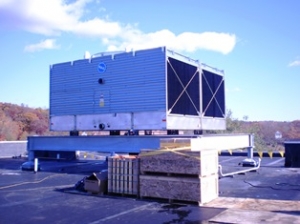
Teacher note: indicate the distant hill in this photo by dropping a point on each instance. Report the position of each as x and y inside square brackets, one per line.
[264, 131]
[19, 121]
[289, 130]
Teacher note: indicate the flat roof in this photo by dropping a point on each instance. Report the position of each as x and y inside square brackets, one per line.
[292, 142]
[272, 194]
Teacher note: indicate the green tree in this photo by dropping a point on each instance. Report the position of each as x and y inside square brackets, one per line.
[234, 126]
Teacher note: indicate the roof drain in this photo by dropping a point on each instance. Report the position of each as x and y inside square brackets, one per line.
[221, 174]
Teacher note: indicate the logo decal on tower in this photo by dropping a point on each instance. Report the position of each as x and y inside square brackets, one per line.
[102, 67]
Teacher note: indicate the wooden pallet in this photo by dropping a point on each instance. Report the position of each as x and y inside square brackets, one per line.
[123, 176]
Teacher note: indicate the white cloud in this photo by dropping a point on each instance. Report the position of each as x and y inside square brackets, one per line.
[294, 63]
[47, 17]
[53, 17]
[45, 44]
[97, 27]
[187, 41]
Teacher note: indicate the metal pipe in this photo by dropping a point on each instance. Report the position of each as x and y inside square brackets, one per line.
[238, 172]
[251, 146]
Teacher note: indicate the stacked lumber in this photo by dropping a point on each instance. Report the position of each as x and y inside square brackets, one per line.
[179, 175]
[173, 161]
[123, 175]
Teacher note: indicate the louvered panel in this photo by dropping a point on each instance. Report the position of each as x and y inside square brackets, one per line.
[132, 82]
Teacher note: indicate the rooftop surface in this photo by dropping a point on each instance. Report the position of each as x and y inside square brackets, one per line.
[270, 195]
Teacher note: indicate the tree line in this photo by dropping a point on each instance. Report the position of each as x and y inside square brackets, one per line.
[264, 131]
[17, 122]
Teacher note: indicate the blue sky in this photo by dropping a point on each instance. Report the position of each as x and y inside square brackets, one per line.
[256, 43]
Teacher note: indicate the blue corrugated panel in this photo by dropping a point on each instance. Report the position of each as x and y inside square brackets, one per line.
[133, 82]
